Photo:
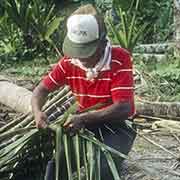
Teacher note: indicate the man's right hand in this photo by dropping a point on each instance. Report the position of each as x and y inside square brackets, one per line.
[41, 120]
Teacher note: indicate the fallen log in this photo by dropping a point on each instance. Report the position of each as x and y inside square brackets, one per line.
[16, 97]
[147, 57]
[173, 126]
[177, 27]
[161, 48]
[170, 110]
[19, 99]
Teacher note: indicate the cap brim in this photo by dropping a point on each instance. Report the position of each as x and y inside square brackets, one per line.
[75, 50]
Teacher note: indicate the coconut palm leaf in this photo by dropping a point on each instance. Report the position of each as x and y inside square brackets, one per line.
[77, 154]
[11, 151]
[98, 165]
[112, 165]
[128, 32]
[59, 145]
[91, 160]
[83, 150]
[67, 147]
[85, 161]
[118, 34]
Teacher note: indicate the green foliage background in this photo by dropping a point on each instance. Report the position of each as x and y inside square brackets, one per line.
[23, 31]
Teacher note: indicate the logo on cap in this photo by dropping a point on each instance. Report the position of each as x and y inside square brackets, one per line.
[80, 32]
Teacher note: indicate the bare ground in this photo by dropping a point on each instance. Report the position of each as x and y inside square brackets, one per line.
[155, 163]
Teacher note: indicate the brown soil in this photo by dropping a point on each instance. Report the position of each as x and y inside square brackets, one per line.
[156, 164]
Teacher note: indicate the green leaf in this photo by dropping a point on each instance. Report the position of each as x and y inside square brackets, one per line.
[52, 27]
[58, 153]
[10, 147]
[89, 136]
[118, 34]
[124, 27]
[90, 158]
[98, 164]
[85, 162]
[48, 17]
[9, 152]
[136, 36]
[13, 12]
[112, 165]
[77, 153]
[66, 141]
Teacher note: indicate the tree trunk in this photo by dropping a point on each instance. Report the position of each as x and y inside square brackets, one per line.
[177, 26]
[149, 57]
[162, 48]
[16, 97]
[169, 110]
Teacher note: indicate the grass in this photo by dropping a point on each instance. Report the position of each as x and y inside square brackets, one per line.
[28, 70]
[160, 80]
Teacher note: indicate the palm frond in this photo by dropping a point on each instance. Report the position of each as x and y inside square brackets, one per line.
[82, 152]
[127, 32]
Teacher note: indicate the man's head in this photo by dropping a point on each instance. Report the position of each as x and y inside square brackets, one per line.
[86, 34]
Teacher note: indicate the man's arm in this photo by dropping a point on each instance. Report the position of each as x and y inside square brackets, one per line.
[114, 113]
[39, 98]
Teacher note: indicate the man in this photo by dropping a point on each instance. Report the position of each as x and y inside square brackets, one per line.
[96, 73]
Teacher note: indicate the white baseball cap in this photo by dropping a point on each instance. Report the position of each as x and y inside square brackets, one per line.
[82, 28]
[83, 35]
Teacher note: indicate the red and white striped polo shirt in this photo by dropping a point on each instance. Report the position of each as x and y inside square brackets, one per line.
[115, 85]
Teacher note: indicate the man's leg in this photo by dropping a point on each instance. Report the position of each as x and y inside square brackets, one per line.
[120, 138]
[50, 170]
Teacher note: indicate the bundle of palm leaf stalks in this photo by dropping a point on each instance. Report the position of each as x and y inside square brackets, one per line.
[25, 150]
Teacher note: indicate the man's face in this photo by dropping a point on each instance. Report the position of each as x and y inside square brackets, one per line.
[90, 62]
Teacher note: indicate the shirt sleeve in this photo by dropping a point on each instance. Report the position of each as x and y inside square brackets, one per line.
[122, 86]
[57, 77]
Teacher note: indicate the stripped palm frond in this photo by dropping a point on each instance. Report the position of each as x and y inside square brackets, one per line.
[31, 148]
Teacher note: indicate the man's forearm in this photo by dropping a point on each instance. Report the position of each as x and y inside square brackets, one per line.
[38, 99]
[37, 103]
[113, 113]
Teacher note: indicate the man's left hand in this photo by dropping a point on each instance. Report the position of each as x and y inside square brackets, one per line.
[73, 124]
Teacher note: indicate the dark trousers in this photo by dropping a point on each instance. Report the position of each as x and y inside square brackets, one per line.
[118, 136]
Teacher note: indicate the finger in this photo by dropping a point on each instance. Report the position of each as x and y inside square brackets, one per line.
[44, 125]
[68, 127]
[67, 123]
[38, 124]
[74, 131]
[41, 125]
[70, 131]
[71, 125]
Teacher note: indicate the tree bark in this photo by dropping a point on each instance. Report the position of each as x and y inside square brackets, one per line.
[170, 110]
[16, 97]
[172, 126]
[149, 57]
[177, 26]
[162, 48]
